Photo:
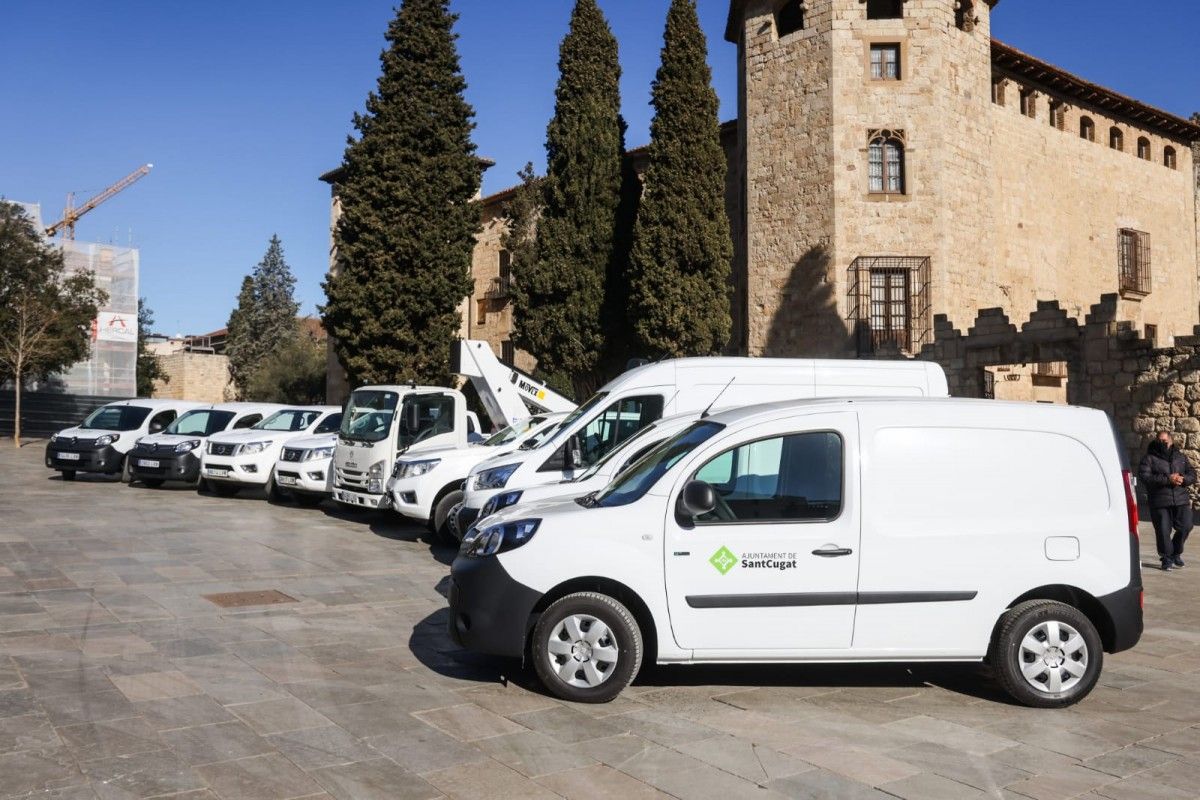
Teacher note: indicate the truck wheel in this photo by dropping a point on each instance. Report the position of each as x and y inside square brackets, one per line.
[587, 648]
[68, 474]
[440, 522]
[1046, 654]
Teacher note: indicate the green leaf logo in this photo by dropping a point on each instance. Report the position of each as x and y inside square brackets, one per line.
[724, 560]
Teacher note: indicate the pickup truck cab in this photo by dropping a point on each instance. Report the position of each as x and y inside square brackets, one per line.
[826, 531]
[304, 471]
[103, 440]
[174, 454]
[636, 398]
[245, 458]
[380, 423]
[424, 486]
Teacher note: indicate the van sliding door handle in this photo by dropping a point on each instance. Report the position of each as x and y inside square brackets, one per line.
[830, 552]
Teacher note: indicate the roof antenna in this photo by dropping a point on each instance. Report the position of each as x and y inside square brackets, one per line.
[718, 397]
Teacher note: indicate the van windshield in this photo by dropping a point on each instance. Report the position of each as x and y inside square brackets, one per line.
[368, 416]
[622, 450]
[510, 432]
[290, 419]
[201, 422]
[637, 479]
[116, 418]
[571, 418]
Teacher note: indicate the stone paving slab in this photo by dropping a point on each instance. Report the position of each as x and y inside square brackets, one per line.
[119, 680]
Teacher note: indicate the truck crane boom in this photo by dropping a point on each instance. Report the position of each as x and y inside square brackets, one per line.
[507, 393]
[71, 213]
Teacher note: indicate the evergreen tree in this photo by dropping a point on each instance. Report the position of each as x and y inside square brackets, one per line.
[265, 317]
[680, 303]
[240, 346]
[408, 223]
[149, 369]
[46, 315]
[293, 373]
[561, 297]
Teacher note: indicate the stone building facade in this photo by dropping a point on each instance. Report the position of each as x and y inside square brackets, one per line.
[899, 163]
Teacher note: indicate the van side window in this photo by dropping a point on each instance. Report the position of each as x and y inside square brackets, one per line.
[781, 479]
[615, 424]
[161, 420]
[331, 424]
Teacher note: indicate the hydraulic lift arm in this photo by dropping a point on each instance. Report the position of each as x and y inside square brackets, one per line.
[507, 393]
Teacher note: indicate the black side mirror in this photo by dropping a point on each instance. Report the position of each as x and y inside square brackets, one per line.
[697, 499]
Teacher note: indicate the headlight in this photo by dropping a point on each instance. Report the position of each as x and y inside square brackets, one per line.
[318, 452]
[187, 447]
[413, 469]
[496, 477]
[499, 501]
[54, 437]
[375, 477]
[255, 447]
[107, 439]
[500, 538]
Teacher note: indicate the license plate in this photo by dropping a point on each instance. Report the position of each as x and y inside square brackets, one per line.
[145, 462]
[220, 472]
[286, 480]
[69, 456]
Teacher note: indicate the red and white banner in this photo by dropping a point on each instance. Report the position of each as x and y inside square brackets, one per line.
[113, 326]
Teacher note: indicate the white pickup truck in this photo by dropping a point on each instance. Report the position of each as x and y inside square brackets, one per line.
[304, 471]
[243, 459]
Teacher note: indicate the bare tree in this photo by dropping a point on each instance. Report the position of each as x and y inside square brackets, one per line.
[45, 314]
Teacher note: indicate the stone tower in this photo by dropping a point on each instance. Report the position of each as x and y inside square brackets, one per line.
[863, 141]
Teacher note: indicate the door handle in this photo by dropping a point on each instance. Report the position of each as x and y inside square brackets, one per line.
[830, 552]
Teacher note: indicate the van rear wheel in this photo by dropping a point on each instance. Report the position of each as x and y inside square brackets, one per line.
[1046, 654]
[587, 648]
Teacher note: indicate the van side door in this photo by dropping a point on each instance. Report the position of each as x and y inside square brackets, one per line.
[775, 566]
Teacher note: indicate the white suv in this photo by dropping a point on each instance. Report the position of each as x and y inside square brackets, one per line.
[237, 460]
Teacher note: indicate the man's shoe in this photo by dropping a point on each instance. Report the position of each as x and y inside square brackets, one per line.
[1167, 565]
[1177, 561]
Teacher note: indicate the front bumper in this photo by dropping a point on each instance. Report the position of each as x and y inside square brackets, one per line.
[490, 612]
[170, 467]
[298, 476]
[350, 497]
[101, 459]
[233, 470]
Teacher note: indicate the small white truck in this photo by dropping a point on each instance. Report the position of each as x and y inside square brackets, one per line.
[304, 471]
[244, 459]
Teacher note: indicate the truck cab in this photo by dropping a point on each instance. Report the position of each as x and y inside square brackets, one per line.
[380, 423]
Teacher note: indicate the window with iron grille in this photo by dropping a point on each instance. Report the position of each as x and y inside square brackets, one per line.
[885, 62]
[1133, 259]
[889, 303]
[885, 162]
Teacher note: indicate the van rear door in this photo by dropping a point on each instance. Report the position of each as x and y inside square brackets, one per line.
[775, 567]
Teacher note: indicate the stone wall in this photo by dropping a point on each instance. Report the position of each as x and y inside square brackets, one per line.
[202, 377]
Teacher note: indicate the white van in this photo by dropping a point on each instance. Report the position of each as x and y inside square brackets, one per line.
[174, 454]
[304, 471]
[826, 530]
[595, 477]
[101, 442]
[426, 485]
[245, 458]
[638, 397]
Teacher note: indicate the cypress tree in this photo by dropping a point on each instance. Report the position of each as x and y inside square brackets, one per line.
[406, 233]
[681, 242]
[561, 295]
[274, 296]
[239, 336]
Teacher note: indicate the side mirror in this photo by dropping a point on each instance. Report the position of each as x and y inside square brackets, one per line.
[572, 453]
[156, 427]
[697, 499]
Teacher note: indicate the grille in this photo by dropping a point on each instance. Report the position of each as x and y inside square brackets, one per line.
[283, 473]
[75, 442]
[889, 303]
[218, 449]
[292, 454]
[352, 479]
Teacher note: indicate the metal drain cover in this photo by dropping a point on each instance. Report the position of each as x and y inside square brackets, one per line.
[263, 597]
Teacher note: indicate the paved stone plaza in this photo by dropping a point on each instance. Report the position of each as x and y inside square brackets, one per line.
[119, 680]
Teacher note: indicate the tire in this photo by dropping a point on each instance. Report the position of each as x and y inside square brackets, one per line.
[1035, 671]
[224, 489]
[126, 476]
[68, 474]
[153, 483]
[439, 523]
[307, 500]
[274, 493]
[553, 649]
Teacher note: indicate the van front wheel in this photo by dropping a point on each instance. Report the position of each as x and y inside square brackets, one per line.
[586, 648]
[1046, 654]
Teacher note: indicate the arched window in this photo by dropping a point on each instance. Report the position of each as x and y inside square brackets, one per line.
[885, 9]
[1169, 158]
[1116, 139]
[1087, 129]
[789, 17]
[1143, 148]
[885, 163]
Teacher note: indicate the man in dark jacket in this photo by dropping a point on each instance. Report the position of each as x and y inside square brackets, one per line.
[1166, 473]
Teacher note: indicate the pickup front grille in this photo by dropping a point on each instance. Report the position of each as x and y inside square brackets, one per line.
[292, 454]
[219, 449]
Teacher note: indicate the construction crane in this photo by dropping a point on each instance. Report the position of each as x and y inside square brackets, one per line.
[71, 213]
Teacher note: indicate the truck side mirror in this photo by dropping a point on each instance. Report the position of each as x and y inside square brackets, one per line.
[572, 453]
[697, 499]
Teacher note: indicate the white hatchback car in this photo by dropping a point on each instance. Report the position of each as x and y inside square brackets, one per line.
[826, 530]
[243, 459]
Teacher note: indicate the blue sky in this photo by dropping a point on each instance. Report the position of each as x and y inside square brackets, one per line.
[240, 106]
